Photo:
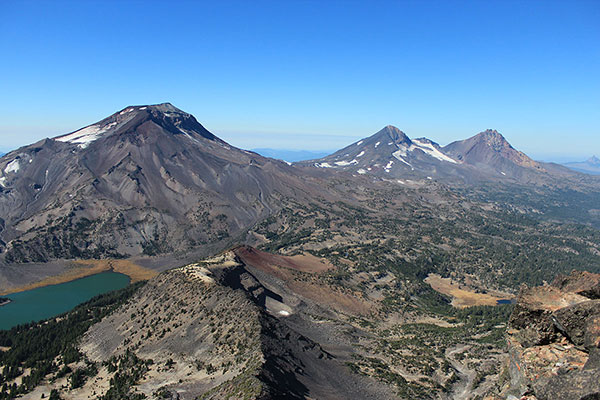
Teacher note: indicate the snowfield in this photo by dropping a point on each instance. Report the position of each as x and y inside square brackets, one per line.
[431, 150]
[12, 166]
[87, 135]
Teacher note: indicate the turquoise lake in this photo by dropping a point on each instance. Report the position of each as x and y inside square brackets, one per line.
[49, 301]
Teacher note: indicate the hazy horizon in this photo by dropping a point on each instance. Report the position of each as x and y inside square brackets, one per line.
[247, 141]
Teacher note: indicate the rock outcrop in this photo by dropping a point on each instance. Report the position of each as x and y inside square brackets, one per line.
[554, 340]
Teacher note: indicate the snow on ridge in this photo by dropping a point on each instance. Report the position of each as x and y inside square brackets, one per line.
[399, 154]
[359, 143]
[431, 150]
[87, 135]
[12, 166]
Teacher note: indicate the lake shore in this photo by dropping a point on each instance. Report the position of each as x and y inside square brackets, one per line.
[82, 268]
[4, 301]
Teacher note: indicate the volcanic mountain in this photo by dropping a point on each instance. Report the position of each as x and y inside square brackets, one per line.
[147, 179]
[391, 153]
[491, 152]
[485, 157]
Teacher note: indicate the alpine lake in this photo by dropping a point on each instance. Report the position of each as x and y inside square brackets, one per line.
[49, 301]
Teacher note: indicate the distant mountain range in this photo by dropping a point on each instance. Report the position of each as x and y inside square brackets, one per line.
[151, 180]
[290, 155]
[590, 166]
[391, 154]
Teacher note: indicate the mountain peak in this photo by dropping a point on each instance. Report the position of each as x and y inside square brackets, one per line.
[161, 107]
[594, 160]
[491, 133]
[493, 138]
[393, 133]
[489, 148]
[166, 116]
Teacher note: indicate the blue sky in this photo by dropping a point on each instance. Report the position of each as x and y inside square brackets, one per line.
[310, 74]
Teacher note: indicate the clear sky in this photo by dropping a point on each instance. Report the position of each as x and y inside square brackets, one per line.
[310, 74]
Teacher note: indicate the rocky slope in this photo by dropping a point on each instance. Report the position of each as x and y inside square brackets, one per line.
[216, 329]
[554, 340]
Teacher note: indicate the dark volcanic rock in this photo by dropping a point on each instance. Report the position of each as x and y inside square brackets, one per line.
[575, 321]
[581, 282]
[553, 339]
[532, 317]
[570, 385]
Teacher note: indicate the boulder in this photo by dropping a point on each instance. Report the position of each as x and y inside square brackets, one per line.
[583, 283]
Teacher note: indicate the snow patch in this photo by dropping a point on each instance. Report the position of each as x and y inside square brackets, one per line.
[126, 111]
[361, 171]
[377, 144]
[503, 173]
[323, 165]
[12, 166]
[388, 166]
[346, 163]
[2, 180]
[284, 313]
[359, 143]
[362, 153]
[143, 108]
